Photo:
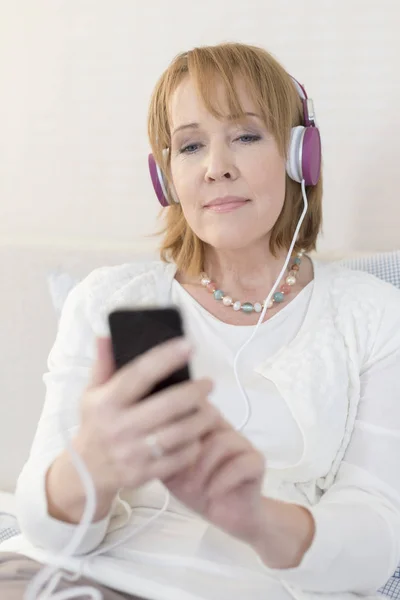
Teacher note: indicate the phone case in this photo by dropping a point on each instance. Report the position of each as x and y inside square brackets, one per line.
[135, 331]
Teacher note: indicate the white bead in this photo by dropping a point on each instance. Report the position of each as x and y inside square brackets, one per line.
[237, 305]
[257, 307]
[270, 303]
[290, 280]
[205, 281]
[227, 300]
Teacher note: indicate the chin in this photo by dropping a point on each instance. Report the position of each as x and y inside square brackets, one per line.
[227, 240]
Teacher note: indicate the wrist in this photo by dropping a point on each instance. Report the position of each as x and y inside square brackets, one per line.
[95, 464]
[65, 493]
[285, 534]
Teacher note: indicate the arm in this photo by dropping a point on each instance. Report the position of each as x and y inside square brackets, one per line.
[65, 494]
[49, 495]
[356, 546]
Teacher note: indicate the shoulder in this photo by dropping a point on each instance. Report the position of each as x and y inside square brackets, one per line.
[107, 280]
[363, 306]
[355, 286]
[128, 284]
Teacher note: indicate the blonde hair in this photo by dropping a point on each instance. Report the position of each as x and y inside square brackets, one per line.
[273, 92]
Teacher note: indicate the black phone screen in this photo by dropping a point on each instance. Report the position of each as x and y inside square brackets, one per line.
[134, 331]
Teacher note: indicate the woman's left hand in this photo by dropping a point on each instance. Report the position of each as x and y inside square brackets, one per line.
[224, 484]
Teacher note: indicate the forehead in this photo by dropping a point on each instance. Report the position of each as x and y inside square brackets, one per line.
[186, 104]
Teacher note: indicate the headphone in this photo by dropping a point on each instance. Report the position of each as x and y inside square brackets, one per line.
[303, 161]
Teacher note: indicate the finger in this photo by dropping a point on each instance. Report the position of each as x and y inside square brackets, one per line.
[167, 406]
[224, 424]
[104, 366]
[245, 468]
[217, 449]
[137, 378]
[171, 464]
[186, 430]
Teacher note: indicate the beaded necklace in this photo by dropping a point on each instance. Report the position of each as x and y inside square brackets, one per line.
[249, 307]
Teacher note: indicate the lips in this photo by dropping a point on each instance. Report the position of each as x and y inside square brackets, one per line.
[226, 203]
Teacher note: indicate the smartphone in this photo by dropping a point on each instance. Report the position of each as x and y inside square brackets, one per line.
[136, 330]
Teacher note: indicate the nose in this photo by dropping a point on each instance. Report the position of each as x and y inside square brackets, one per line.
[220, 165]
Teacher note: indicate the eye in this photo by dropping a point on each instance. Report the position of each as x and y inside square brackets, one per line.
[189, 149]
[248, 138]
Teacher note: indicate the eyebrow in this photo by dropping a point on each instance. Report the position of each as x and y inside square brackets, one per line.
[197, 125]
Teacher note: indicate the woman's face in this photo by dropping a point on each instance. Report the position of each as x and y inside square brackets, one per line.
[229, 177]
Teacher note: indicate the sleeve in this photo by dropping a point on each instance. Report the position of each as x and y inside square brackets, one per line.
[69, 365]
[356, 547]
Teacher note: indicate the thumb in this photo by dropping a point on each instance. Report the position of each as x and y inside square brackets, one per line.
[104, 365]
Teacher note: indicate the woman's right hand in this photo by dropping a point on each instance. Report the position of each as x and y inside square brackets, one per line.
[116, 425]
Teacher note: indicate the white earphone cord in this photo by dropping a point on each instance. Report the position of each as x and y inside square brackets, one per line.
[44, 583]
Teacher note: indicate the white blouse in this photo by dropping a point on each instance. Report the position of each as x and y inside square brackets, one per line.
[271, 427]
[323, 380]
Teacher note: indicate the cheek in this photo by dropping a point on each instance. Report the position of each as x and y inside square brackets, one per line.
[267, 178]
[187, 187]
[183, 180]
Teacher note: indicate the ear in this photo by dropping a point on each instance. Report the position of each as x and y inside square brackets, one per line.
[173, 193]
[171, 187]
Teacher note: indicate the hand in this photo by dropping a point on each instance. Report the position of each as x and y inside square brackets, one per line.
[115, 425]
[224, 484]
[224, 487]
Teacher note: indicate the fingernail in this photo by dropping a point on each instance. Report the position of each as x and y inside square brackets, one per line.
[184, 347]
[210, 384]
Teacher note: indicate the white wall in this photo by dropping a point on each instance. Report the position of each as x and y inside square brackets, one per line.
[75, 80]
[76, 76]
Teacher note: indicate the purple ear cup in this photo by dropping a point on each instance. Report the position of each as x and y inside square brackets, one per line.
[307, 159]
[311, 156]
[158, 181]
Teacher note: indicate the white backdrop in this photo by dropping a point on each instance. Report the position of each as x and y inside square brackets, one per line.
[76, 77]
[75, 81]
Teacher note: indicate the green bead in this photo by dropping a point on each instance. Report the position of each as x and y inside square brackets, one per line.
[279, 297]
[218, 294]
[297, 261]
[247, 307]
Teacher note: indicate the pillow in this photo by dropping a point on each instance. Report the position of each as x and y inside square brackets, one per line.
[8, 527]
[392, 587]
[385, 265]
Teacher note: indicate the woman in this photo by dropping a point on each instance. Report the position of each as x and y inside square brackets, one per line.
[304, 501]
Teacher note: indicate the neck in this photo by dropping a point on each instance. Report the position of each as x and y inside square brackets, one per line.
[248, 273]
